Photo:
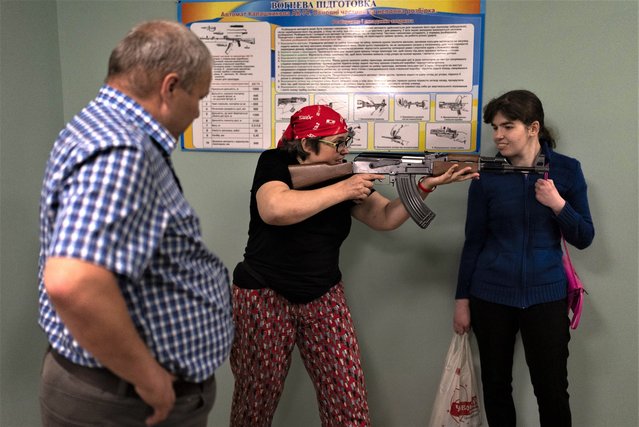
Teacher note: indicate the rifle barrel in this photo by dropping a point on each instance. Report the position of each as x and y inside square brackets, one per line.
[498, 164]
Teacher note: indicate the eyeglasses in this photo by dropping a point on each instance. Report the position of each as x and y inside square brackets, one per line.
[343, 143]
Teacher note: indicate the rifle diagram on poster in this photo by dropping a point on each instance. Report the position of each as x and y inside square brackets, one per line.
[406, 80]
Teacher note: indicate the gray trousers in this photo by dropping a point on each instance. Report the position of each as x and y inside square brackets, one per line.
[71, 397]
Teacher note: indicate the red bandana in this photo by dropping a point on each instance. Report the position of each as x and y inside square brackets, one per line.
[314, 121]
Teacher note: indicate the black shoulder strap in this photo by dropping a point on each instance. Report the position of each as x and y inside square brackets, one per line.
[167, 159]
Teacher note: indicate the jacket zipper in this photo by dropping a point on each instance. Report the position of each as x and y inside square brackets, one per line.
[524, 252]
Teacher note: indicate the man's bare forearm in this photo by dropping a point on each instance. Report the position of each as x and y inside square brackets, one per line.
[88, 299]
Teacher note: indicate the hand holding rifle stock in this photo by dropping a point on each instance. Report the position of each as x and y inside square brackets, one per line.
[402, 170]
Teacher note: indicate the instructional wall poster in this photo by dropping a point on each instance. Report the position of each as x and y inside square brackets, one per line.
[406, 75]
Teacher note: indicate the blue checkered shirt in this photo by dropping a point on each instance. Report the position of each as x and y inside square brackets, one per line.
[110, 197]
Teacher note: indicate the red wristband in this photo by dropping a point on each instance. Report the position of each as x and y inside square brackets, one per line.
[424, 189]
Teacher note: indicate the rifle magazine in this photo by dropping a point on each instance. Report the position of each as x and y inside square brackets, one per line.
[410, 197]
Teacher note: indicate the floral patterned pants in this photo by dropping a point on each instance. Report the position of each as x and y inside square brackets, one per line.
[267, 328]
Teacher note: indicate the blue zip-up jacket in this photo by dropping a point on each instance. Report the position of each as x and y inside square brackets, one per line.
[512, 253]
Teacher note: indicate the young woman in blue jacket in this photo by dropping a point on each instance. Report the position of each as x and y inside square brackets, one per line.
[511, 277]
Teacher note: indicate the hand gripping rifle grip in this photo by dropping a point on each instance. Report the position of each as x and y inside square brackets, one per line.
[409, 195]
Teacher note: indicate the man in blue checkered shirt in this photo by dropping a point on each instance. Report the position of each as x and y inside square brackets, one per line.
[136, 309]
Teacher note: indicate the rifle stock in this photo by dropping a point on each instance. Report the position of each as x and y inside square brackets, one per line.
[306, 175]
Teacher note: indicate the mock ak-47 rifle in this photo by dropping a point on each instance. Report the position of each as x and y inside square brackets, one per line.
[402, 170]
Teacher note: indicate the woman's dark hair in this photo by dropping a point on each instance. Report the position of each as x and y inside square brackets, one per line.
[296, 148]
[521, 105]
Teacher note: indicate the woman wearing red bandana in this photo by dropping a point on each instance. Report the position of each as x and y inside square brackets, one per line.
[288, 290]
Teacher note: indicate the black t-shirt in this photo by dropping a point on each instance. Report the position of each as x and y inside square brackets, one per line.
[298, 261]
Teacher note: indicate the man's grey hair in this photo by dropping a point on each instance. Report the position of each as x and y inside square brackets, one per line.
[153, 49]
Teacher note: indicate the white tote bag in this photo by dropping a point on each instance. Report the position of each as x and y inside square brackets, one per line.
[457, 400]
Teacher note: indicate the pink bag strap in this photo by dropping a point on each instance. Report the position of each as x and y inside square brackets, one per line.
[562, 234]
[566, 248]
[563, 240]
[567, 254]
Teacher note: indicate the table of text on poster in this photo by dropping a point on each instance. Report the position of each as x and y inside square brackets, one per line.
[233, 115]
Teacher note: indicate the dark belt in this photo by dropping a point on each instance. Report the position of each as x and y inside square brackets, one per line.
[107, 381]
